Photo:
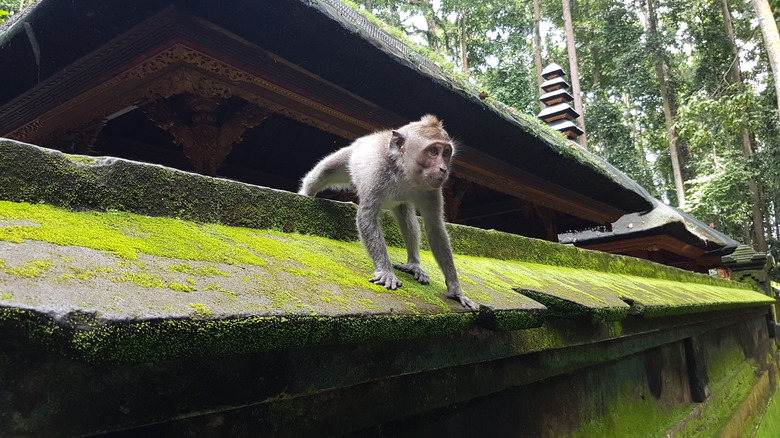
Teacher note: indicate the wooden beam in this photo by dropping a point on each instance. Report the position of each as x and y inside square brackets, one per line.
[491, 209]
[482, 169]
[648, 243]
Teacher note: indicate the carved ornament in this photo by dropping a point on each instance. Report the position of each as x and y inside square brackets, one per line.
[180, 69]
[204, 141]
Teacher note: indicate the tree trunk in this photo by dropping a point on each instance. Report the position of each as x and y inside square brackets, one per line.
[777, 220]
[735, 74]
[430, 21]
[574, 72]
[464, 63]
[766, 21]
[538, 50]
[747, 150]
[661, 71]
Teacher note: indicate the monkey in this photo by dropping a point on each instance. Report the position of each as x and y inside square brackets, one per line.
[402, 170]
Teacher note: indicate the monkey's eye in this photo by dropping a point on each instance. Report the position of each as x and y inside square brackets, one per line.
[434, 152]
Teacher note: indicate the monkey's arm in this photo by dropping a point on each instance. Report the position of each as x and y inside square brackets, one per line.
[439, 241]
[374, 240]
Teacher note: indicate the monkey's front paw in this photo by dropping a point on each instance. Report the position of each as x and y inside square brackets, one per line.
[386, 279]
[419, 274]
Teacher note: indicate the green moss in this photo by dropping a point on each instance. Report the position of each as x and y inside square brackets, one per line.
[559, 306]
[725, 401]
[31, 269]
[503, 246]
[631, 416]
[125, 234]
[201, 311]
[509, 319]
[294, 268]
[203, 271]
[168, 339]
[722, 362]
[208, 271]
[182, 287]
[141, 279]
[148, 190]
[183, 269]
[81, 159]
[770, 423]
[86, 274]
[616, 329]
[25, 324]
[6, 296]
[229, 294]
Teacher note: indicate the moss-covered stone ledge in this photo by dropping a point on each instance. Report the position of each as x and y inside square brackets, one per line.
[82, 271]
[36, 175]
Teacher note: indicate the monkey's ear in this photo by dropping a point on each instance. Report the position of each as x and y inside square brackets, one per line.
[397, 141]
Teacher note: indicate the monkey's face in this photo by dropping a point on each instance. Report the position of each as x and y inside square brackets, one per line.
[433, 163]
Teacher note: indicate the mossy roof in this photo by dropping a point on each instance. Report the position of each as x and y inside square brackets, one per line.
[662, 219]
[745, 257]
[96, 248]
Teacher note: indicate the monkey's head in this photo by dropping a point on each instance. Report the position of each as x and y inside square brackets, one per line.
[426, 151]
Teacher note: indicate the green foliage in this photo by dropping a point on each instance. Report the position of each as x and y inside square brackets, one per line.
[611, 138]
[10, 7]
[609, 34]
[713, 128]
[497, 54]
[511, 82]
[720, 197]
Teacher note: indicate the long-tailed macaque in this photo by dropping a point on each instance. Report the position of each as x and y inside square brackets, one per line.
[402, 170]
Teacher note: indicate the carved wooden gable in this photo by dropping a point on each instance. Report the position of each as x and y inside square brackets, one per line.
[173, 54]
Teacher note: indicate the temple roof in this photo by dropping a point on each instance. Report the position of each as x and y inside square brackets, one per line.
[662, 228]
[354, 75]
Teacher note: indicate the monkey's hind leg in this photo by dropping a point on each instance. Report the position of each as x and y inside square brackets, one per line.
[374, 240]
[410, 230]
[331, 172]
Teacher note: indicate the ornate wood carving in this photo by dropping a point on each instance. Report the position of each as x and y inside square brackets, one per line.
[205, 141]
[180, 69]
